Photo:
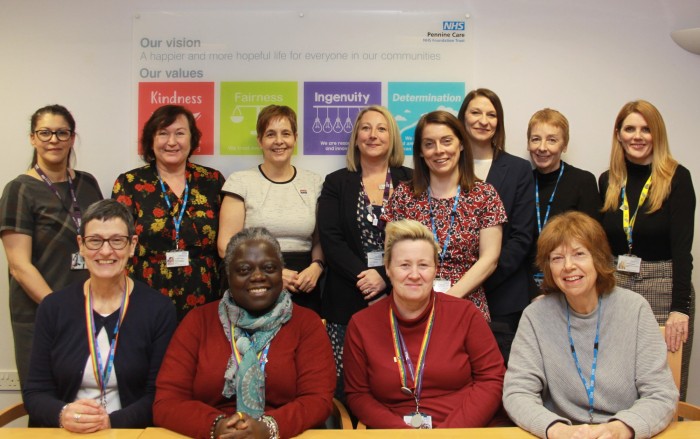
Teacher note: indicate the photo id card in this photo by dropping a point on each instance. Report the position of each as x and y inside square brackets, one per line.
[77, 262]
[629, 263]
[419, 421]
[375, 259]
[177, 258]
[441, 285]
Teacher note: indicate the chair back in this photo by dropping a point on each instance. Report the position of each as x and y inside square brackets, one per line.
[12, 413]
[684, 410]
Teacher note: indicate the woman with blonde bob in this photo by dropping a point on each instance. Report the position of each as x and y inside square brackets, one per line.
[457, 368]
[588, 359]
[648, 216]
[352, 233]
[559, 186]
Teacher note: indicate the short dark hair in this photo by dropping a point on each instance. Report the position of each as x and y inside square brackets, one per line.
[273, 112]
[421, 173]
[498, 142]
[250, 234]
[576, 226]
[57, 110]
[163, 117]
[104, 210]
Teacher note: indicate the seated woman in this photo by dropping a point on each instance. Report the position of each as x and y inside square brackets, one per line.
[252, 363]
[418, 358]
[588, 358]
[99, 343]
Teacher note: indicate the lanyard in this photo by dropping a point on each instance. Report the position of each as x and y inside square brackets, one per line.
[627, 223]
[371, 216]
[262, 356]
[590, 388]
[404, 359]
[449, 229]
[177, 220]
[540, 223]
[75, 212]
[101, 373]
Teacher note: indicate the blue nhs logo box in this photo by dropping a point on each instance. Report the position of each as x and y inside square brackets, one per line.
[453, 25]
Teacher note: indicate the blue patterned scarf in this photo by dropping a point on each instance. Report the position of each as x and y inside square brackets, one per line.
[251, 334]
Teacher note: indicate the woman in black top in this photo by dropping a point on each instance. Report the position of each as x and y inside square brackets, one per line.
[559, 187]
[648, 215]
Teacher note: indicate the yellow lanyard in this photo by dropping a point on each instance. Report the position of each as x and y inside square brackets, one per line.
[627, 223]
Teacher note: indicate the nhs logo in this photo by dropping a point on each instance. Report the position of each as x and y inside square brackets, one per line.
[453, 25]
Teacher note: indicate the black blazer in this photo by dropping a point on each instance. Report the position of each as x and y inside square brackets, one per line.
[507, 288]
[342, 246]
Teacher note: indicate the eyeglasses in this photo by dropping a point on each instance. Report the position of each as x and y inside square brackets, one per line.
[46, 135]
[96, 242]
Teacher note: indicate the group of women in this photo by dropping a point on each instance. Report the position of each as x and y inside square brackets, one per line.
[464, 221]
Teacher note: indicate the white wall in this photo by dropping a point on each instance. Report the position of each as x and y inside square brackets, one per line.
[585, 59]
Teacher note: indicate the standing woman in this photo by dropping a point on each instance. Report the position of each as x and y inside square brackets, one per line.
[511, 176]
[352, 233]
[559, 187]
[464, 214]
[281, 198]
[41, 213]
[648, 216]
[175, 204]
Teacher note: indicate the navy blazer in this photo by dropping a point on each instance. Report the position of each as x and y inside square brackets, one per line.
[342, 244]
[507, 288]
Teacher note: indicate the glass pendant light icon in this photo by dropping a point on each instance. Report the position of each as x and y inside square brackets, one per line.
[316, 127]
[338, 125]
[327, 126]
[348, 123]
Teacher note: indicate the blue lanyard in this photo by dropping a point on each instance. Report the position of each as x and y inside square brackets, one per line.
[452, 220]
[177, 221]
[540, 223]
[590, 388]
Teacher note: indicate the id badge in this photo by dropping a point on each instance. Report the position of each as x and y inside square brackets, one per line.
[441, 285]
[629, 263]
[77, 262]
[375, 259]
[538, 278]
[419, 420]
[177, 258]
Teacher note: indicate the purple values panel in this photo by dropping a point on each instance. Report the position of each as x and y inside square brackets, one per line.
[330, 110]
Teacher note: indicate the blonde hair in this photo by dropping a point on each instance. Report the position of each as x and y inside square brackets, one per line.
[550, 117]
[663, 165]
[394, 155]
[407, 229]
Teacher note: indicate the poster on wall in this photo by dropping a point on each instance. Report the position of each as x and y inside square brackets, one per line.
[327, 65]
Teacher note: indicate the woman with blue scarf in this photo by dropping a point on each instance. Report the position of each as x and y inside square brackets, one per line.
[251, 362]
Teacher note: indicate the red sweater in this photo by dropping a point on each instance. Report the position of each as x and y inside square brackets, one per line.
[463, 378]
[299, 375]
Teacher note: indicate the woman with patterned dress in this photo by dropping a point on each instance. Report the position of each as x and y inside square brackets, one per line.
[175, 204]
[649, 218]
[283, 199]
[352, 235]
[41, 212]
[464, 214]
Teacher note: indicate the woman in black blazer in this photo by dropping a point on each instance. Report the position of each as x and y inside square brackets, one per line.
[507, 288]
[352, 237]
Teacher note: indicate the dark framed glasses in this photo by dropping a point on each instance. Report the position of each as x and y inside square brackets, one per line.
[46, 135]
[96, 242]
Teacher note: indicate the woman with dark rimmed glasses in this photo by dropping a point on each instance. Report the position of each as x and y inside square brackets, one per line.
[41, 213]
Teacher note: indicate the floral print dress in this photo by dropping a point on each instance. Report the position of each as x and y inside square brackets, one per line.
[477, 209]
[140, 191]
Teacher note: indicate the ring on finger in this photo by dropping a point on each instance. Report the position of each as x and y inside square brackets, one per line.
[77, 417]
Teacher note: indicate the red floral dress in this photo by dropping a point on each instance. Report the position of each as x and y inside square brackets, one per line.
[477, 209]
[140, 191]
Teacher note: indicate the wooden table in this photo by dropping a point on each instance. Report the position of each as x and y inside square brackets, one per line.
[677, 430]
